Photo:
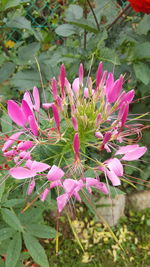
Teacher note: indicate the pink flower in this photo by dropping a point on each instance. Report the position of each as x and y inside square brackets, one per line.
[71, 188]
[75, 123]
[36, 98]
[56, 116]
[92, 182]
[31, 169]
[44, 194]
[31, 187]
[81, 73]
[76, 86]
[11, 140]
[123, 113]
[113, 169]
[55, 173]
[99, 74]
[131, 152]
[54, 88]
[62, 80]
[76, 146]
[113, 89]
[16, 113]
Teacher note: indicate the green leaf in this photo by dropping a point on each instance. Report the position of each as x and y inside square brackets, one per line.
[142, 72]
[26, 79]
[142, 51]
[19, 22]
[41, 231]
[85, 25]
[28, 52]
[14, 250]
[13, 202]
[11, 219]
[6, 233]
[144, 25]
[73, 12]
[115, 191]
[36, 250]
[6, 71]
[6, 123]
[66, 30]
[13, 3]
[2, 188]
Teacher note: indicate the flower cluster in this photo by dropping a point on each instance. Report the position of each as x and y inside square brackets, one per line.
[82, 117]
[141, 5]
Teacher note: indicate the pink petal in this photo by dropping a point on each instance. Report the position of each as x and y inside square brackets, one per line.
[134, 155]
[47, 105]
[123, 113]
[99, 74]
[36, 99]
[39, 166]
[31, 187]
[62, 80]
[54, 88]
[11, 140]
[126, 149]
[99, 135]
[92, 182]
[27, 98]
[56, 116]
[26, 109]
[62, 201]
[29, 163]
[33, 125]
[75, 123]
[76, 86]
[127, 97]
[55, 173]
[25, 145]
[15, 113]
[76, 146]
[86, 92]
[21, 173]
[24, 155]
[81, 73]
[113, 178]
[115, 166]
[10, 153]
[98, 119]
[107, 137]
[55, 184]
[115, 91]
[69, 185]
[109, 85]
[44, 194]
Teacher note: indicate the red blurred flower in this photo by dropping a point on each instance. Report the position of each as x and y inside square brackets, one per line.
[141, 5]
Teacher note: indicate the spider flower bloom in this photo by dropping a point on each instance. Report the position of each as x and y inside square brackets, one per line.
[141, 5]
[113, 169]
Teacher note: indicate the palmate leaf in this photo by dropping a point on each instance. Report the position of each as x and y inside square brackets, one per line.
[14, 250]
[36, 250]
[11, 219]
[41, 231]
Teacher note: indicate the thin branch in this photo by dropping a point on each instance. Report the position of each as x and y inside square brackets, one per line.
[92, 10]
[119, 16]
